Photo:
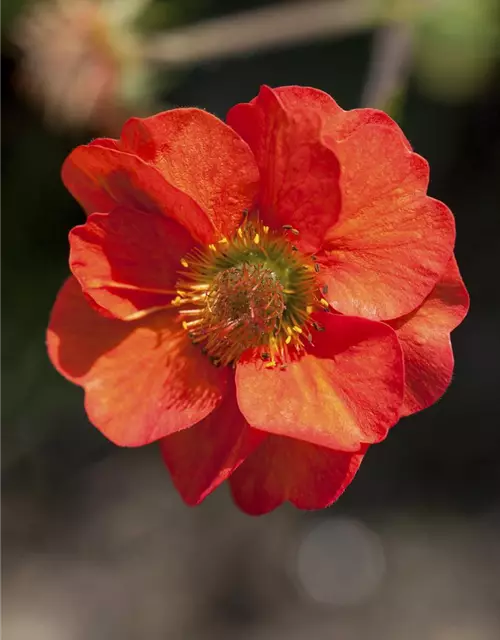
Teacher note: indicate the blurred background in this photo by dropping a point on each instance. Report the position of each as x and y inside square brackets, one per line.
[96, 544]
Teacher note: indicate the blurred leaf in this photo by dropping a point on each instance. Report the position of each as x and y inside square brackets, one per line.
[168, 14]
[457, 43]
[10, 10]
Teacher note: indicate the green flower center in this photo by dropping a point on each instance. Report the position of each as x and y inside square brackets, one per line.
[255, 290]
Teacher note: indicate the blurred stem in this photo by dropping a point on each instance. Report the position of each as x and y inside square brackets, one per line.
[389, 67]
[262, 29]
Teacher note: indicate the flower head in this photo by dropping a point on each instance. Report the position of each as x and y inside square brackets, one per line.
[81, 59]
[266, 297]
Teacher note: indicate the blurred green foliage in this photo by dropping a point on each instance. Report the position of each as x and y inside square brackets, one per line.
[457, 45]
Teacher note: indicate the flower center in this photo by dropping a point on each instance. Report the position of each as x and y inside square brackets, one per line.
[248, 300]
[252, 291]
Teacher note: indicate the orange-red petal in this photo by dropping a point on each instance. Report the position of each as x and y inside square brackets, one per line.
[281, 469]
[337, 124]
[143, 380]
[200, 155]
[202, 457]
[347, 389]
[102, 178]
[425, 338]
[299, 174]
[128, 260]
[392, 242]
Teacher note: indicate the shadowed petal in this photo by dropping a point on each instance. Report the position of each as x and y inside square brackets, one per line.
[143, 380]
[282, 469]
[425, 338]
[102, 178]
[128, 260]
[202, 457]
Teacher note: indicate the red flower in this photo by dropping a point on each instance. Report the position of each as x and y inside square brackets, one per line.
[274, 346]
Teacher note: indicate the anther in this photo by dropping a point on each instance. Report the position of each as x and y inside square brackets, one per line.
[184, 263]
[256, 238]
[297, 329]
[191, 323]
[287, 227]
[190, 312]
[316, 267]
[265, 228]
[324, 289]
[212, 247]
[265, 356]
[240, 232]
[324, 303]
[199, 287]
[295, 232]
[294, 248]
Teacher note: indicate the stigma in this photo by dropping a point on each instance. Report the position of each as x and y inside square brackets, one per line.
[254, 290]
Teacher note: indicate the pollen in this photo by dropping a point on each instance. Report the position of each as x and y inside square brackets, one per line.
[251, 291]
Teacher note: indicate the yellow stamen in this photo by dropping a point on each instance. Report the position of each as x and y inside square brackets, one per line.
[143, 313]
[191, 323]
[256, 238]
[212, 247]
[324, 303]
[190, 312]
[288, 339]
[200, 287]
[99, 284]
[184, 263]
[297, 329]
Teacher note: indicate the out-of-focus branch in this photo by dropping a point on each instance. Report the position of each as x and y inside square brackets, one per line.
[389, 66]
[261, 29]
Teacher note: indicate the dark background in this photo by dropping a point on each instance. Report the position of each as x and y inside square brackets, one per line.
[97, 544]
